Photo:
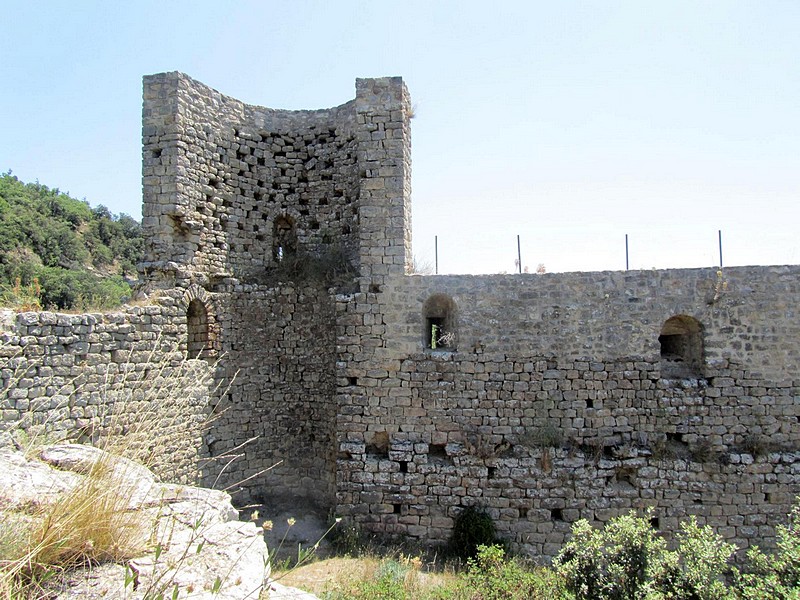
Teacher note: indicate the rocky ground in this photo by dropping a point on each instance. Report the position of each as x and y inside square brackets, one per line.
[192, 537]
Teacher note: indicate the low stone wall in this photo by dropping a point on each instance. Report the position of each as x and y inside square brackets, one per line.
[112, 378]
[256, 414]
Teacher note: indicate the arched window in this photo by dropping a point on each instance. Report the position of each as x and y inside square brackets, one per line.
[284, 238]
[681, 342]
[197, 328]
[439, 323]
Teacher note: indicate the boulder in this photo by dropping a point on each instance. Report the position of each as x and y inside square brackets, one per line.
[192, 539]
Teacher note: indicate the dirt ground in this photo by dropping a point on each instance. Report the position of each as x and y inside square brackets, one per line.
[293, 526]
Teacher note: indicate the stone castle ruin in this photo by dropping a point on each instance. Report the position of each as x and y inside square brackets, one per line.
[278, 264]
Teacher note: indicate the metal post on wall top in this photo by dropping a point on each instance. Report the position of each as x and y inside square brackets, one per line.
[436, 252]
[626, 253]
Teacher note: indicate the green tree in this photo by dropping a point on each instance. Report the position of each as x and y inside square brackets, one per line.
[77, 253]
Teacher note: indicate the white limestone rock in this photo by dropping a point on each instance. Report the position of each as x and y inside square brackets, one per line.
[197, 542]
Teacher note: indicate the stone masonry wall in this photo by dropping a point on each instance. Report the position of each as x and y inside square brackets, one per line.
[551, 404]
[81, 377]
[278, 244]
[383, 113]
[546, 398]
[269, 212]
[279, 352]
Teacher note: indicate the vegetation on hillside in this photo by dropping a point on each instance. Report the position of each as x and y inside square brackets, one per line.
[57, 252]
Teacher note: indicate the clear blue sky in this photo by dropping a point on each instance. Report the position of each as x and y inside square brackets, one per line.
[568, 123]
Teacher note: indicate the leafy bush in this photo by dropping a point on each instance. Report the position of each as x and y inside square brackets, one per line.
[580, 562]
[473, 527]
[628, 560]
[774, 576]
[696, 568]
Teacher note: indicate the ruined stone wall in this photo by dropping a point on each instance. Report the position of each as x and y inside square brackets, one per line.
[542, 398]
[219, 175]
[553, 402]
[118, 379]
[270, 212]
[278, 243]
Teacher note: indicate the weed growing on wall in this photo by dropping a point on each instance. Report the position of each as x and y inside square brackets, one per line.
[720, 286]
[331, 267]
[548, 435]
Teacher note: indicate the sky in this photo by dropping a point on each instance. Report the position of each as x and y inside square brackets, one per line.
[569, 124]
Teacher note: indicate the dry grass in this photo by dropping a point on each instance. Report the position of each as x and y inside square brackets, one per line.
[92, 522]
[87, 525]
[344, 575]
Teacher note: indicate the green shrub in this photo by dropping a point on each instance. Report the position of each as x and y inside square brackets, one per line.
[493, 576]
[774, 576]
[580, 561]
[614, 563]
[697, 567]
[627, 560]
[473, 527]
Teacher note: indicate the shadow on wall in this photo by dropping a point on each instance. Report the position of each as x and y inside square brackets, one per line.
[440, 323]
[681, 342]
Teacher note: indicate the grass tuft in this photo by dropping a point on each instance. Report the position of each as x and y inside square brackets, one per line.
[84, 526]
